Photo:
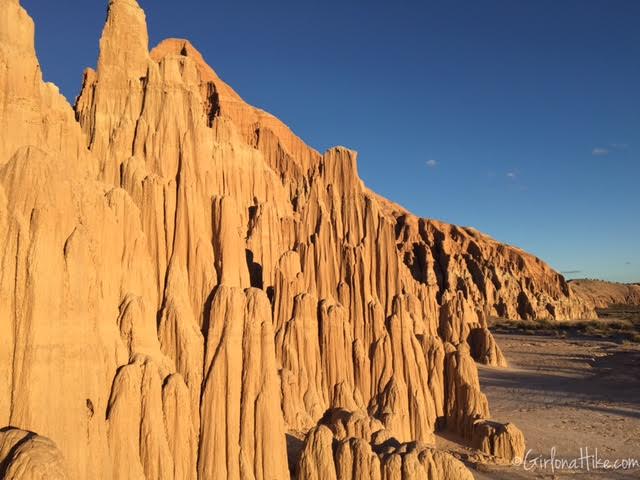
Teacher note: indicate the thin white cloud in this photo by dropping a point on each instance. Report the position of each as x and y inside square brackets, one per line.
[512, 175]
[620, 146]
[432, 163]
[600, 152]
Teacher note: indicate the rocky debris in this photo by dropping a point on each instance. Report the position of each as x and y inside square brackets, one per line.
[184, 280]
[26, 455]
[505, 442]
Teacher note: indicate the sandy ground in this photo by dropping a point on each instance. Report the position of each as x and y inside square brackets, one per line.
[567, 395]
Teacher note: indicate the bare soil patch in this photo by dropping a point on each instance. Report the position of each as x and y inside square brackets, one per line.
[566, 394]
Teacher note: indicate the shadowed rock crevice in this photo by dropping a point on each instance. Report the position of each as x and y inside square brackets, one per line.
[255, 271]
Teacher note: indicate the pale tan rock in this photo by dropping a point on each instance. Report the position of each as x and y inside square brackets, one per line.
[177, 404]
[304, 400]
[435, 355]
[183, 280]
[220, 441]
[351, 424]
[457, 317]
[112, 128]
[74, 252]
[327, 456]
[443, 466]
[138, 439]
[502, 279]
[316, 460]
[230, 256]
[336, 343]
[464, 402]
[392, 408]
[354, 460]
[262, 437]
[602, 294]
[180, 337]
[242, 428]
[28, 456]
[484, 348]
[503, 441]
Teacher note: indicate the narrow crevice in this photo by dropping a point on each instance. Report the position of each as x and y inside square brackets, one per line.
[212, 103]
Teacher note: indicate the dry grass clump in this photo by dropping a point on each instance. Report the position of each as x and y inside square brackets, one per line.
[617, 323]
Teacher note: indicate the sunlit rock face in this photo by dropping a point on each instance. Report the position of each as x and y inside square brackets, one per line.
[603, 294]
[189, 291]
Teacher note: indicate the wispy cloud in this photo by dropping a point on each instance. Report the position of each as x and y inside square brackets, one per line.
[432, 163]
[620, 146]
[600, 152]
[572, 272]
[514, 181]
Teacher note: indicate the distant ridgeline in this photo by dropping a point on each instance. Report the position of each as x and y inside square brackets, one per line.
[601, 294]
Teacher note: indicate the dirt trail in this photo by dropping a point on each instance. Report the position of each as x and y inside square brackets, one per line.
[570, 394]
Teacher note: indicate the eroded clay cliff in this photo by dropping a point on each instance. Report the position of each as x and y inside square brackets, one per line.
[189, 291]
[601, 294]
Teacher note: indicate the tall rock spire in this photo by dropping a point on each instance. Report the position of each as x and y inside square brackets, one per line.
[112, 97]
[32, 113]
[66, 268]
[20, 77]
[124, 46]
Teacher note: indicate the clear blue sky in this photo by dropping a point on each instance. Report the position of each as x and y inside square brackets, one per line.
[518, 117]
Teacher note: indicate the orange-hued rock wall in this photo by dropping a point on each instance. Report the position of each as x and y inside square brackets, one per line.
[187, 287]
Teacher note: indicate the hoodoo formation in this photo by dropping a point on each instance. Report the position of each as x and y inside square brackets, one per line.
[189, 291]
